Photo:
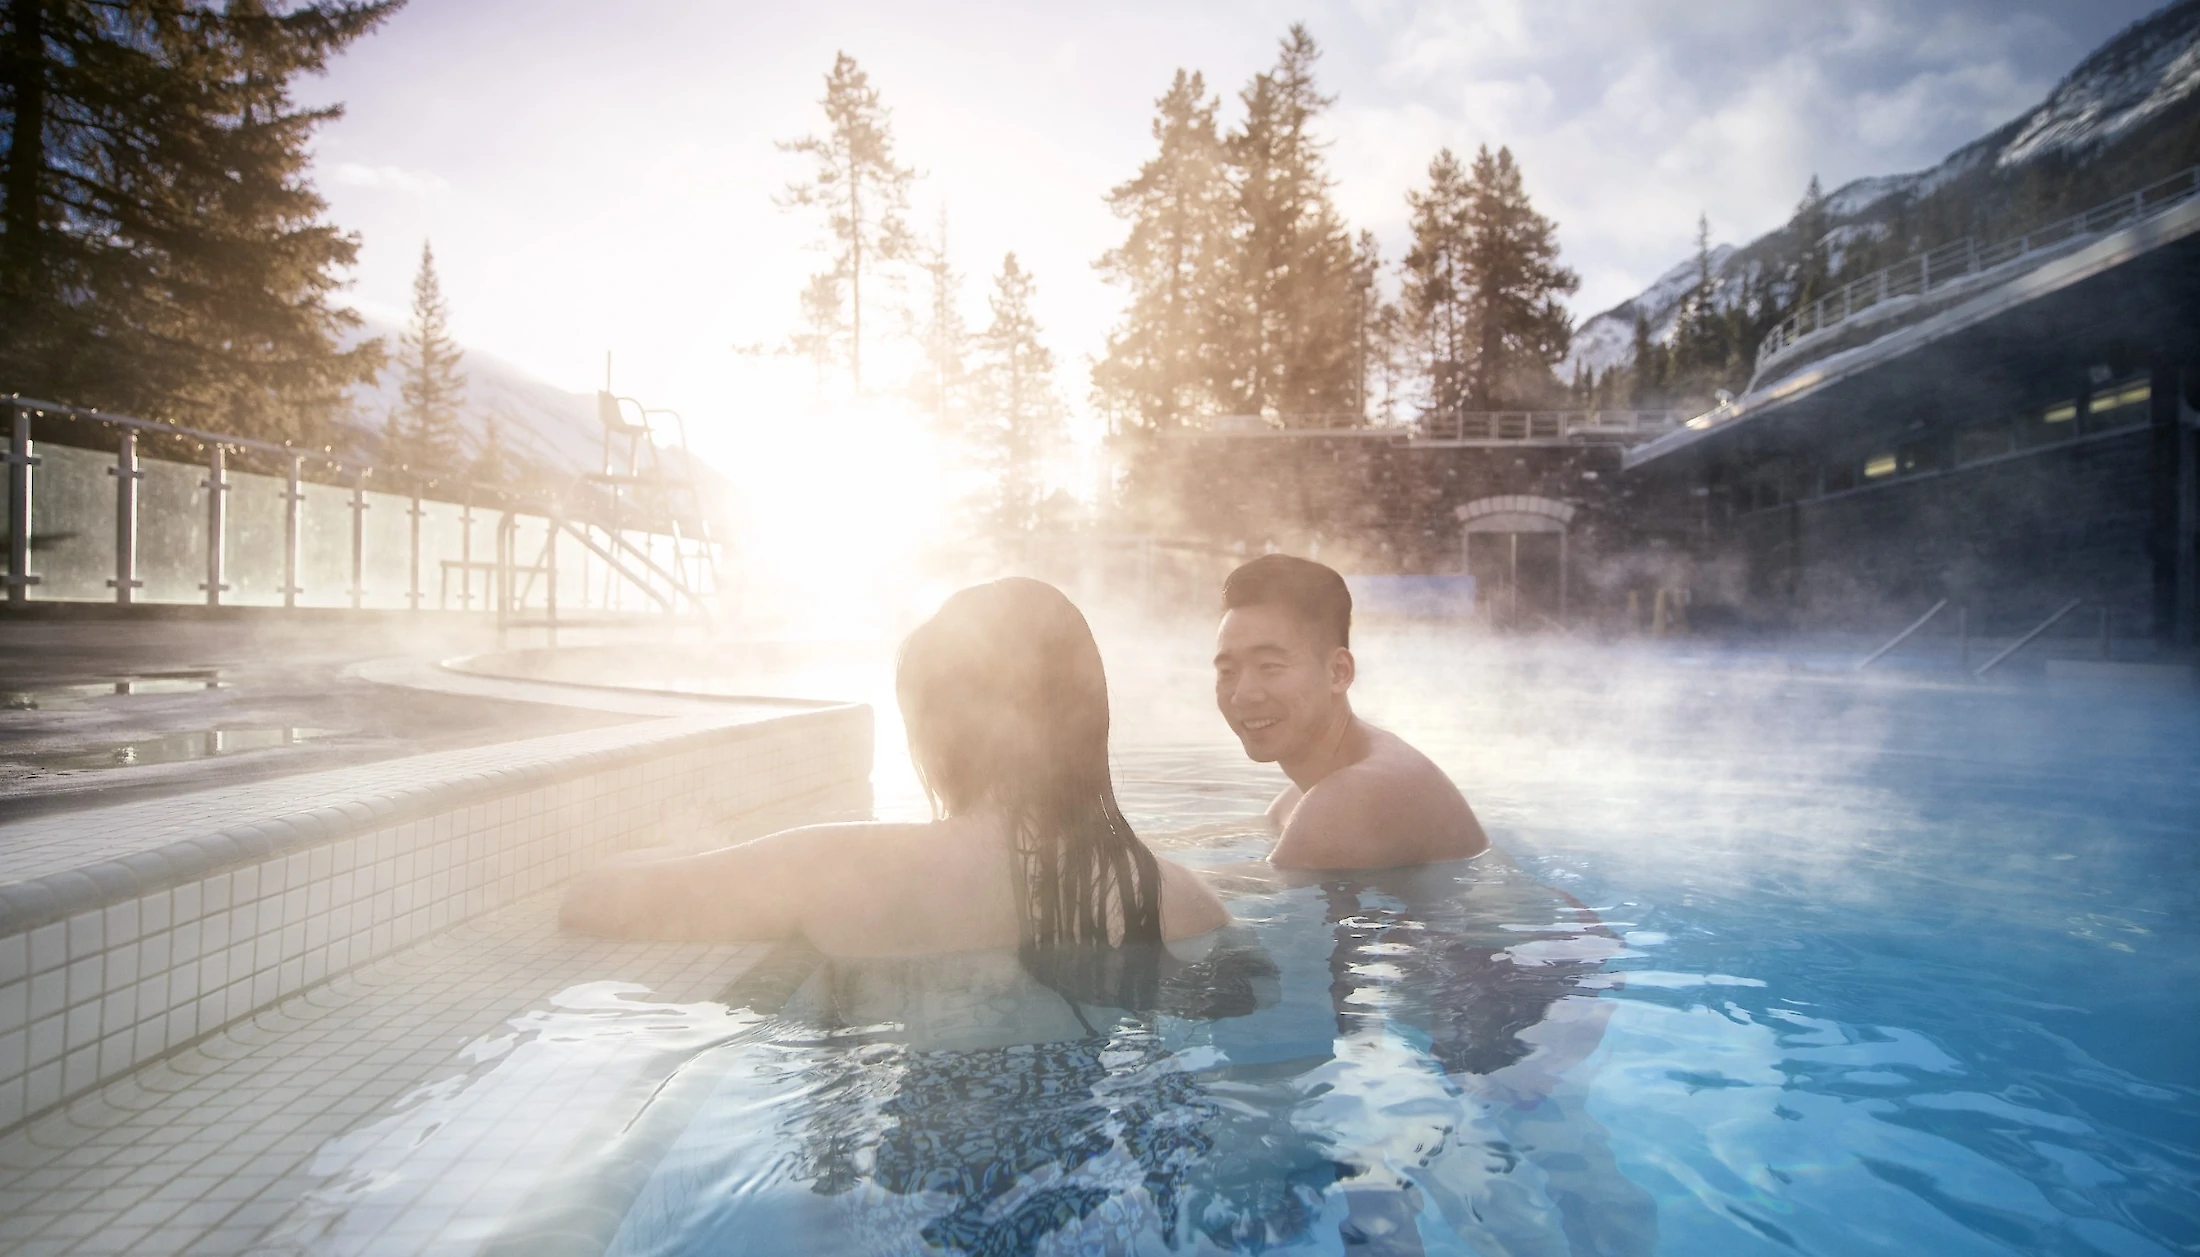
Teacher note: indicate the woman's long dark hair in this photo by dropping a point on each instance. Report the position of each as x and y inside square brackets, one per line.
[1007, 707]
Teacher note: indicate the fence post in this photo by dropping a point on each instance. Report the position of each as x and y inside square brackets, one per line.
[412, 598]
[293, 498]
[358, 539]
[550, 583]
[20, 462]
[217, 523]
[466, 552]
[126, 474]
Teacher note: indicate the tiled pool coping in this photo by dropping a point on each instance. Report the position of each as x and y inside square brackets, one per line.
[128, 932]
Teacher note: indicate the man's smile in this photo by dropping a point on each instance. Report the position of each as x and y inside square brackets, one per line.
[1256, 726]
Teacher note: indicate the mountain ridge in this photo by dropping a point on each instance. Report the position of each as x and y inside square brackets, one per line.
[2128, 112]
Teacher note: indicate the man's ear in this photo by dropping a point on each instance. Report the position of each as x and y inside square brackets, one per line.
[1342, 669]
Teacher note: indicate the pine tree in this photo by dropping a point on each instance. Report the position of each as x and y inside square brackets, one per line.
[1160, 363]
[1520, 327]
[431, 387]
[1807, 230]
[1374, 325]
[1699, 349]
[1290, 331]
[492, 463]
[1437, 300]
[1649, 368]
[942, 336]
[824, 331]
[1020, 419]
[161, 250]
[865, 196]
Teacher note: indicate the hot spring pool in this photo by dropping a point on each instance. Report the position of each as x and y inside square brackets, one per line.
[1765, 963]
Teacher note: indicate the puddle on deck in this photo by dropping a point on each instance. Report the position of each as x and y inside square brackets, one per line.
[165, 748]
[77, 694]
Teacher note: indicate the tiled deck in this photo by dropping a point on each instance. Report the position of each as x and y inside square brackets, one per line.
[197, 992]
[215, 1149]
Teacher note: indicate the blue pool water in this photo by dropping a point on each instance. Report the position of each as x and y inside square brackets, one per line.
[1766, 963]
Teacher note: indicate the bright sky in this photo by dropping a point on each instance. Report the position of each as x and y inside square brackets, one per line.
[600, 176]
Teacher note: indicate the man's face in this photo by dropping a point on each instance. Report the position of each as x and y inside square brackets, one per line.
[1277, 681]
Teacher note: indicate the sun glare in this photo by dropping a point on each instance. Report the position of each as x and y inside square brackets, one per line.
[846, 507]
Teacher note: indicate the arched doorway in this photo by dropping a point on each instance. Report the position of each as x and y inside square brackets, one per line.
[1515, 548]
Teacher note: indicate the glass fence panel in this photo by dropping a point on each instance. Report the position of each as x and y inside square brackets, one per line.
[72, 523]
[531, 562]
[608, 587]
[389, 550]
[324, 548]
[252, 540]
[488, 530]
[613, 591]
[171, 532]
[638, 561]
[442, 549]
[701, 571]
[574, 573]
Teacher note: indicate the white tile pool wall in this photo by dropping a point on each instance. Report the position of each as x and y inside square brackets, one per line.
[90, 998]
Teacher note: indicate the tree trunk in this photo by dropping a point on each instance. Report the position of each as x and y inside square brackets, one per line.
[855, 272]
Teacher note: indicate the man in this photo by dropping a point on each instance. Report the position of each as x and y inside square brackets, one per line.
[1359, 797]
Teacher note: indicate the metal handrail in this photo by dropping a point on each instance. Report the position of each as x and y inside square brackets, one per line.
[2027, 639]
[1901, 637]
[1500, 425]
[512, 497]
[1921, 273]
[511, 502]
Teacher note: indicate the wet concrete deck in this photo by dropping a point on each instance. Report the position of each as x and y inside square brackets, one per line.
[95, 712]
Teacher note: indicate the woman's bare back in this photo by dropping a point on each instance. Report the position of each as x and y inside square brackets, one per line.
[869, 889]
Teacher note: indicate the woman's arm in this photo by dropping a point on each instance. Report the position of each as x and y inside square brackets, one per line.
[1189, 906]
[757, 890]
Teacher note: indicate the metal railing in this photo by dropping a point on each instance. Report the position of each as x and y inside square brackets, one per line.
[1506, 426]
[2106, 619]
[1905, 635]
[2041, 628]
[354, 563]
[1922, 273]
[1492, 427]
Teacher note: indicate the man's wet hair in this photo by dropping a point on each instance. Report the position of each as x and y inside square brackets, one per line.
[1312, 592]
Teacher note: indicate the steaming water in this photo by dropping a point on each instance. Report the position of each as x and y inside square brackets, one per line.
[1766, 964]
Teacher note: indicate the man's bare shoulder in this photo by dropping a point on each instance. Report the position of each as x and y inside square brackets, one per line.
[1393, 807]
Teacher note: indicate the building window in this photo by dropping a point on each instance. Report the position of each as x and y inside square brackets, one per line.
[2123, 406]
[1840, 477]
[1922, 455]
[1880, 466]
[2045, 427]
[1987, 441]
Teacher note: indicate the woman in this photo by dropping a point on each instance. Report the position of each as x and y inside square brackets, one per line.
[1007, 711]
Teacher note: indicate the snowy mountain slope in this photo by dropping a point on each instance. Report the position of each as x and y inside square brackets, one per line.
[2130, 80]
[1608, 340]
[539, 422]
[2127, 111]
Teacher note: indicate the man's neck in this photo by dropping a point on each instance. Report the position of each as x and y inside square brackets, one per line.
[1343, 743]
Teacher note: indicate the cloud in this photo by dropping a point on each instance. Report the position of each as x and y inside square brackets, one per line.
[395, 178]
